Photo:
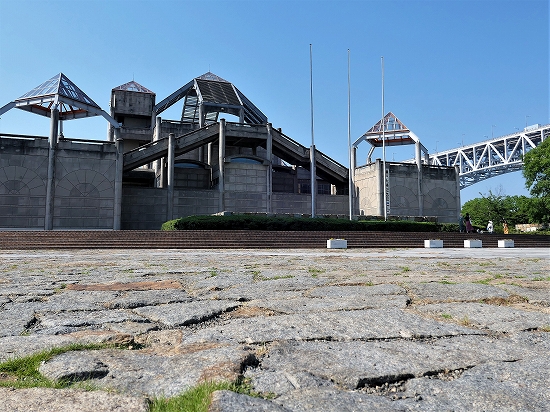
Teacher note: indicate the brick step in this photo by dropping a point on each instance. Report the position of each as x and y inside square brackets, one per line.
[203, 239]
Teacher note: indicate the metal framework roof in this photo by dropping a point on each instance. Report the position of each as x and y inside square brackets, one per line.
[393, 131]
[215, 95]
[59, 91]
[133, 87]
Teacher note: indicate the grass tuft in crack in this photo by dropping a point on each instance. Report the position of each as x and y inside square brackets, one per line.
[198, 398]
[23, 372]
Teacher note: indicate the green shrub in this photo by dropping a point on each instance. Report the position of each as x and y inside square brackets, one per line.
[449, 227]
[254, 222]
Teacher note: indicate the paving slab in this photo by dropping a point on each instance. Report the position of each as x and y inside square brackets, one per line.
[459, 292]
[536, 295]
[491, 317]
[341, 325]
[18, 346]
[146, 373]
[56, 400]
[307, 304]
[494, 386]
[327, 399]
[357, 364]
[227, 401]
[181, 314]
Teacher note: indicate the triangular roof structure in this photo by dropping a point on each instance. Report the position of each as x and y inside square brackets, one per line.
[391, 130]
[72, 102]
[215, 95]
[134, 87]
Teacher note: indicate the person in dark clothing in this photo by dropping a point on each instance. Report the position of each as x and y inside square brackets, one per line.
[469, 227]
[461, 226]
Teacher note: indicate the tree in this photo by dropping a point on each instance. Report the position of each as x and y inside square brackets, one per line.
[536, 170]
[513, 209]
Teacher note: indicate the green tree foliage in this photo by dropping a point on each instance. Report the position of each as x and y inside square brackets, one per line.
[513, 209]
[536, 170]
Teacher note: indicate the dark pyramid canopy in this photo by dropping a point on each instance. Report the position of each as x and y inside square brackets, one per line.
[215, 95]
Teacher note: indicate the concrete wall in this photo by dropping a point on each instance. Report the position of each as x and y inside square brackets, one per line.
[132, 103]
[301, 204]
[145, 208]
[83, 184]
[440, 192]
[23, 174]
[369, 190]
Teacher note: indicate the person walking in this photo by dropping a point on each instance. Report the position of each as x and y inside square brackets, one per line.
[469, 227]
[490, 226]
[505, 227]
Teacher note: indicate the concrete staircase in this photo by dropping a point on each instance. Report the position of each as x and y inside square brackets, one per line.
[244, 239]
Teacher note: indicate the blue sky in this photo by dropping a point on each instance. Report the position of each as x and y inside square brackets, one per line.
[453, 69]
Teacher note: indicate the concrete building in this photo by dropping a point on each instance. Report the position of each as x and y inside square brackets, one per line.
[150, 170]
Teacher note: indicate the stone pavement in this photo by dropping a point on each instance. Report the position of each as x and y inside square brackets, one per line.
[312, 330]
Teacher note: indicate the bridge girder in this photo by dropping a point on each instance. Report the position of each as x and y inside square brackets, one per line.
[493, 157]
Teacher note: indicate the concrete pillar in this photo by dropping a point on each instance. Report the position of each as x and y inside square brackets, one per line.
[458, 204]
[269, 147]
[353, 163]
[202, 115]
[170, 170]
[119, 163]
[221, 161]
[201, 154]
[157, 164]
[50, 184]
[381, 187]
[209, 154]
[313, 180]
[419, 189]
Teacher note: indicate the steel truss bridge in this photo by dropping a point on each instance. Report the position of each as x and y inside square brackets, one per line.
[493, 157]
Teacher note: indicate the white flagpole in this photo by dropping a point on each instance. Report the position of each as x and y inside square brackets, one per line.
[312, 149]
[384, 146]
[350, 177]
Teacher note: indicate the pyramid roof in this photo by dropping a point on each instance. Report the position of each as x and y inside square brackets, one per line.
[59, 91]
[389, 131]
[216, 95]
[133, 86]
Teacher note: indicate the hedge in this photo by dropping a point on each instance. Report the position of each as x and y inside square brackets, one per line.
[254, 222]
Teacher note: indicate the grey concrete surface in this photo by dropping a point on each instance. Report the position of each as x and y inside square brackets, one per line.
[309, 330]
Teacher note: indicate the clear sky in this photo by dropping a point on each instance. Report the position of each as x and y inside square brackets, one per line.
[455, 71]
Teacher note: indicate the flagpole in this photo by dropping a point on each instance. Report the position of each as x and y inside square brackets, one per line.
[350, 177]
[384, 146]
[312, 149]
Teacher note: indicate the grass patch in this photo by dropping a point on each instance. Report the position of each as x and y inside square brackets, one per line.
[465, 321]
[446, 316]
[447, 282]
[23, 372]
[314, 271]
[545, 328]
[257, 276]
[197, 399]
[485, 281]
[541, 278]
